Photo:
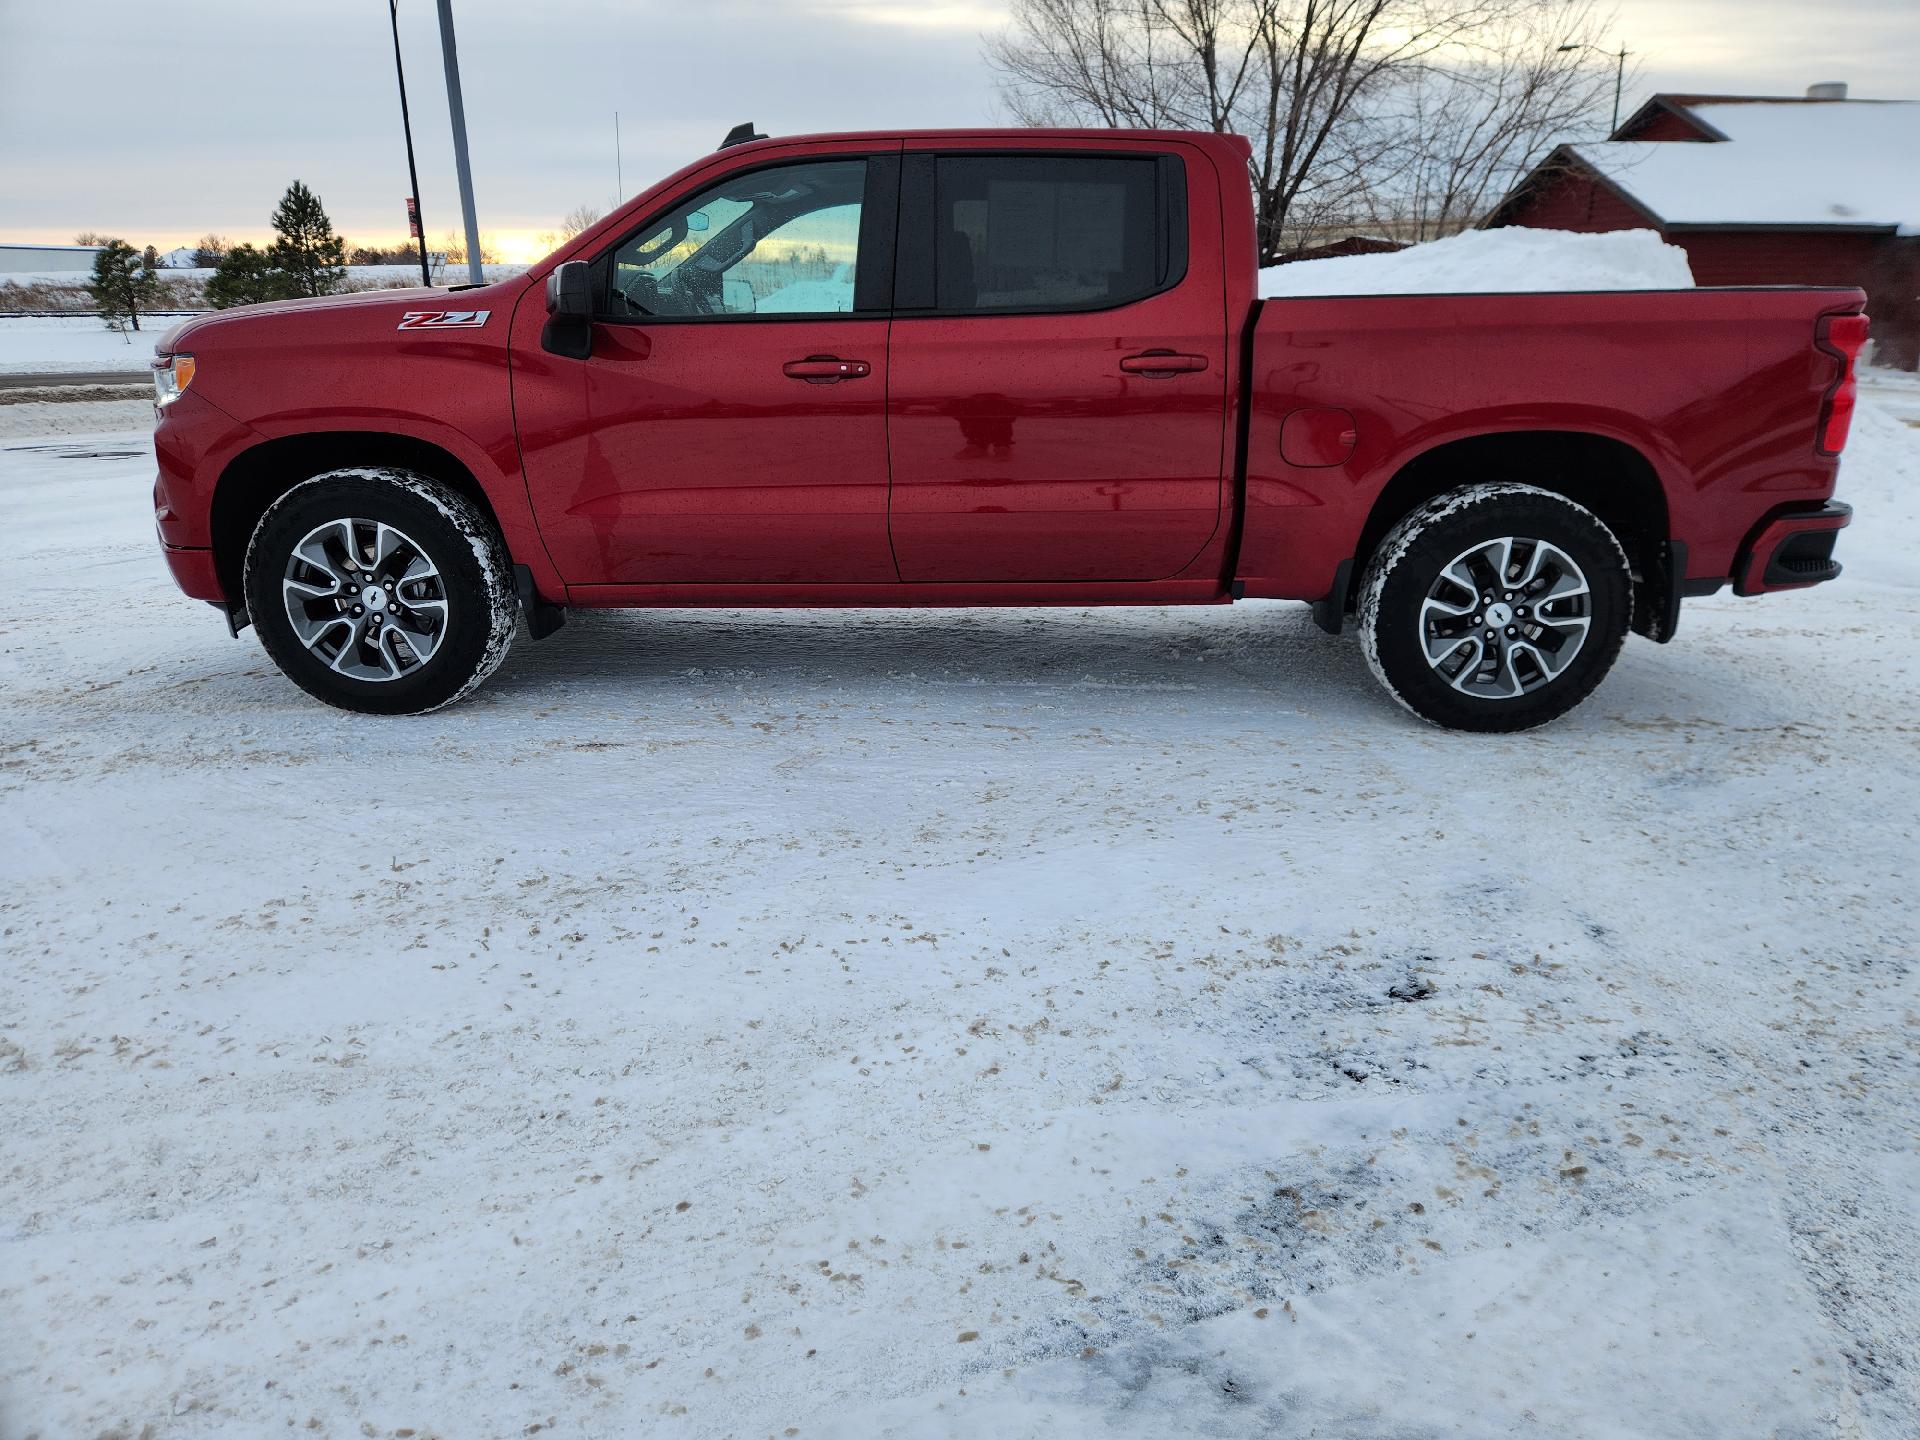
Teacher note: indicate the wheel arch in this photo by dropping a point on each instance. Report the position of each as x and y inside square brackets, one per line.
[261, 474]
[1609, 476]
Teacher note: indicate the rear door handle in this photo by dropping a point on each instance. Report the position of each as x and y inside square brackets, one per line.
[1160, 364]
[826, 369]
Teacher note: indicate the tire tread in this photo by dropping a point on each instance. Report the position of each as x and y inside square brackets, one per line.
[498, 597]
[1423, 521]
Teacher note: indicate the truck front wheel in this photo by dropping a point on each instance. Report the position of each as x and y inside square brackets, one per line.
[1495, 607]
[380, 590]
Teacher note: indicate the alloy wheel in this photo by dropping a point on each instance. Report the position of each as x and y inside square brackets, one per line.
[1505, 617]
[365, 599]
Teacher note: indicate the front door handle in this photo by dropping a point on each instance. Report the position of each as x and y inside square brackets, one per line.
[1162, 364]
[826, 369]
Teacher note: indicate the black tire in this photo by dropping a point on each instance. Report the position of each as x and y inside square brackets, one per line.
[472, 630]
[1397, 625]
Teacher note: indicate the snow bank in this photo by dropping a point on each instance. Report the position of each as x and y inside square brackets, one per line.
[1515, 258]
[1880, 478]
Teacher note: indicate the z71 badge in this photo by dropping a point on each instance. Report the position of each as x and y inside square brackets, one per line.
[443, 320]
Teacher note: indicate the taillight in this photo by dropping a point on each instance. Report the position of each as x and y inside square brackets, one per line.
[1845, 335]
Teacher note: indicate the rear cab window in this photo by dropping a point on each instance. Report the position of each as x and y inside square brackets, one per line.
[1038, 233]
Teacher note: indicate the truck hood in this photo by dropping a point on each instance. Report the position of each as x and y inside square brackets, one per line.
[418, 297]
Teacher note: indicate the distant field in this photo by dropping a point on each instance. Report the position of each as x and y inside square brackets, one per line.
[185, 290]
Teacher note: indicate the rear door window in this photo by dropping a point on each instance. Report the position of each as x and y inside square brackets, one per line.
[1039, 233]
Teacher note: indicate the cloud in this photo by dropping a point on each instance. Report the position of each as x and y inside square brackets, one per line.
[164, 122]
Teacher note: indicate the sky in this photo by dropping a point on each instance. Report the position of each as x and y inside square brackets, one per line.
[161, 123]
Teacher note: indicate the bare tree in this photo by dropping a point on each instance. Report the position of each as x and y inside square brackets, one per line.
[575, 222]
[455, 249]
[1316, 85]
[579, 219]
[1470, 128]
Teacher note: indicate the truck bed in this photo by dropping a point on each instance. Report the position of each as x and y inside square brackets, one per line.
[1710, 396]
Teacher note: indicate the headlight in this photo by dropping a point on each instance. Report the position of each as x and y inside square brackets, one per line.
[172, 374]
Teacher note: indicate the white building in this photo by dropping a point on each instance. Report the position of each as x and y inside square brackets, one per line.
[46, 259]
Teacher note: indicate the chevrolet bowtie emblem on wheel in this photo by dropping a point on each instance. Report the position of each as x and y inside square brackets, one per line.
[443, 320]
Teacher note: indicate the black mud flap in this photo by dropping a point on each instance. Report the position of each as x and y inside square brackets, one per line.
[1330, 612]
[1657, 595]
[543, 618]
[237, 617]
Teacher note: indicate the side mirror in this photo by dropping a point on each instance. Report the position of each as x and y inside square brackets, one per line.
[569, 328]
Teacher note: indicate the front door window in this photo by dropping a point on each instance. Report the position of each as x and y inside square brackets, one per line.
[780, 241]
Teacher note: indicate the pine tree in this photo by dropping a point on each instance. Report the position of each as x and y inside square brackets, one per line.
[247, 275]
[305, 248]
[123, 283]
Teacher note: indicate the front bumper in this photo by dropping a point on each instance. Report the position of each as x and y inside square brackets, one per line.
[194, 440]
[1792, 551]
[194, 572]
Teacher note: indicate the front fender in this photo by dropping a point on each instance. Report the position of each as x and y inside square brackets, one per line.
[493, 460]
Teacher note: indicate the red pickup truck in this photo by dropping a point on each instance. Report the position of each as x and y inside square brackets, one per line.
[1021, 367]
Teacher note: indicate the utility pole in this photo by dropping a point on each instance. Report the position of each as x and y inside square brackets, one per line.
[460, 165]
[619, 176]
[418, 225]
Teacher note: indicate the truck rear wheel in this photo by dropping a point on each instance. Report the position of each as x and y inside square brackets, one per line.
[1495, 607]
[380, 590]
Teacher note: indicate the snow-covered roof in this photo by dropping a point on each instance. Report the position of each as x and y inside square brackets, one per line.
[1848, 163]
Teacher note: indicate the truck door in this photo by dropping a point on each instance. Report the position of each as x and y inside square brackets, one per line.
[1057, 397]
[730, 424]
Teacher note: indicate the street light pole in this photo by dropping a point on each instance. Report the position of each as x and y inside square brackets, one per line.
[465, 171]
[1619, 72]
[406, 126]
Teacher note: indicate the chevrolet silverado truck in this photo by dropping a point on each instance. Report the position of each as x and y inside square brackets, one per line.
[973, 367]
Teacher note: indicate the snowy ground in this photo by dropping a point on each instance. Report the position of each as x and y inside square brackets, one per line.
[45, 344]
[1120, 1023]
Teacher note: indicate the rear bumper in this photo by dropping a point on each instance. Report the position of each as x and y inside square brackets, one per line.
[1792, 551]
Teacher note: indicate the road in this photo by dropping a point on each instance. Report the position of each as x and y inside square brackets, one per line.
[75, 377]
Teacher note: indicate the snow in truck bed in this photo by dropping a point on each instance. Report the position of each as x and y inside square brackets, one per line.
[1517, 258]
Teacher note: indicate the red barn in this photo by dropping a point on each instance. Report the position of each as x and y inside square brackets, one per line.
[1758, 190]
[1337, 249]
